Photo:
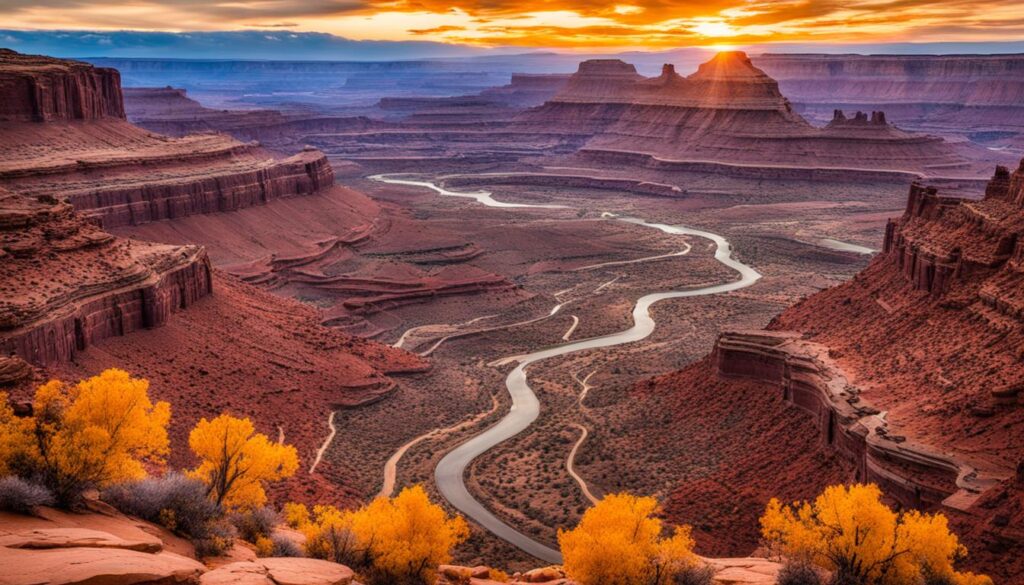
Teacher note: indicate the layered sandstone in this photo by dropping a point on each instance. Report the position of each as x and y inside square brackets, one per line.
[912, 370]
[42, 89]
[977, 97]
[727, 111]
[122, 174]
[169, 110]
[67, 284]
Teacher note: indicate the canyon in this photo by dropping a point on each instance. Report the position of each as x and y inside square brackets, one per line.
[528, 290]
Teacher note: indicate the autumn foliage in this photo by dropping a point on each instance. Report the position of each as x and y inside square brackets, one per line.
[97, 432]
[236, 461]
[398, 540]
[850, 532]
[620, 541]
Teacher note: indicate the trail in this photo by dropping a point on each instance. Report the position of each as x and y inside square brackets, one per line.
[391, 467]
[327, 442]
[569, 465]
[575, 323]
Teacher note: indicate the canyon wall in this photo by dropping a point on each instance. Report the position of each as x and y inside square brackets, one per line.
[915, 475]
[728, 111]
[68, 285]
[42, 89]
[980, 97]
[301, 174]
[122, 174]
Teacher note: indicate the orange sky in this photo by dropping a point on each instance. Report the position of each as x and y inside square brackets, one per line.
[550, 23]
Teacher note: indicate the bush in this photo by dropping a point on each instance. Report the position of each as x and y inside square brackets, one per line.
[264, 546]
[174, 501]
[255, 524]
[798, 573]
[220, 537]
[696, 574]
[23, 497]
[285, 547]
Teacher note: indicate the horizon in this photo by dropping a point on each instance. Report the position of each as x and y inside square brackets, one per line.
[276, 45]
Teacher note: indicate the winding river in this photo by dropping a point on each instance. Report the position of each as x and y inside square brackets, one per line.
[450, 471]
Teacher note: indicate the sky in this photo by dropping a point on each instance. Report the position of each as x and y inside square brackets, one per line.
[560, 24]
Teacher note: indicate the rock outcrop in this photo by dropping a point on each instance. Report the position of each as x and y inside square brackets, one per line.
[981, 96]
[169, 110]
[43, 89]
[912, 370]
[279, 571]
[68, 284]
[118, 172]
[727, 111]
[52, 556]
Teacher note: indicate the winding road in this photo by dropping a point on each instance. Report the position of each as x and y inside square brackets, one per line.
[450, 471]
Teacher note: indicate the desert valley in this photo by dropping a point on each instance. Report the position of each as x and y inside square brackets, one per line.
[521, 290]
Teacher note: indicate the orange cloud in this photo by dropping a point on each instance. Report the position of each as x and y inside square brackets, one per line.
[551, 23]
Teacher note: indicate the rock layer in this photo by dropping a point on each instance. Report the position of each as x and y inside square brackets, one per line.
[42, 89]
[727, 111]
[80, 147]
[68, 284]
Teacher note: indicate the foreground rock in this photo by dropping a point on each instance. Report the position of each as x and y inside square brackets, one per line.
[279, 571]
[54, 556]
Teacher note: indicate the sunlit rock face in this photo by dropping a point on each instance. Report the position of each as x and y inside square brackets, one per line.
[728, 111]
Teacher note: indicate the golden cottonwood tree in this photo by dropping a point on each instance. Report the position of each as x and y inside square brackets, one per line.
[18, 453]
[849, 531]
[619, 542]
[407, 537]
[236, 461]
[100, 431]
[391, 541]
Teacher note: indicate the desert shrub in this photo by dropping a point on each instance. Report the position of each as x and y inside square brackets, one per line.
[22, 496]
[174, 501]
[796, 572]
[255, 523]
[264, 546]
[695, 574]
[284, 547]
[296, 515]
[849, 531]
[220, 537]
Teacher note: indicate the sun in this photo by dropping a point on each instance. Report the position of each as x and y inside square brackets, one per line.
[714, 28]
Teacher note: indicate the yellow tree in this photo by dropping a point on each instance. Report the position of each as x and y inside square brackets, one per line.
[17, 445]
[619, 541]
[100, 431]
[236, 461]
[406, 537]
[849, 531]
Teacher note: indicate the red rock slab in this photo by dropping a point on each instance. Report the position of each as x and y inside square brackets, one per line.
[109, 566]
[280, 571]
[49, 538]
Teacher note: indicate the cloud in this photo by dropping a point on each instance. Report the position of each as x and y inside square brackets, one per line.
[551, 23]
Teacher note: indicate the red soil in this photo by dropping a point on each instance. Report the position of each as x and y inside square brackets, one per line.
[728, 447]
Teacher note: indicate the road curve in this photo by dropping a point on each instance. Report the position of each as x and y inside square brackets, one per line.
[450, 471]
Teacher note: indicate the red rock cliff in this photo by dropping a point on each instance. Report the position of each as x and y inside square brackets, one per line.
[42, 89]
[67, 284]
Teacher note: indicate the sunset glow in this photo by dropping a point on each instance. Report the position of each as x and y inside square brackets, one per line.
[568, 23]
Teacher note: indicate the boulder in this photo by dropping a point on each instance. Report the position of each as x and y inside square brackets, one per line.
[280, 571]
